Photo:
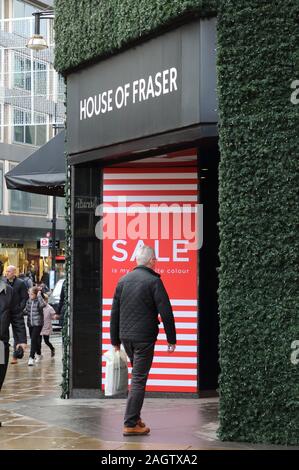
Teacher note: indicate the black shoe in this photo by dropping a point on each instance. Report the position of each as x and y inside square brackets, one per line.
[52, 352]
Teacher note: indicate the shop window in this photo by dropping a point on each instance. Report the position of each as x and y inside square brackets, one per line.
[27, 203]
[27, 133]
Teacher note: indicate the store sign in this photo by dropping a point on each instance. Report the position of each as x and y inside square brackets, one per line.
[167, 83]
[44, 252]
[44, 242]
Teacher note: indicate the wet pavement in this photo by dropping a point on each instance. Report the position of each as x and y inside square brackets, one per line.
[35, 418]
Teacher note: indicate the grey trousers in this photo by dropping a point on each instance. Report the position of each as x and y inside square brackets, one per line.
[141, 358]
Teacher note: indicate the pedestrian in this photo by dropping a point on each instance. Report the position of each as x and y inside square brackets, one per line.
[49, 315]
[61, 306]
[26, 279]
[35, 322]
[19, 299]
[138, 299]
[43, 288]
[6, 301]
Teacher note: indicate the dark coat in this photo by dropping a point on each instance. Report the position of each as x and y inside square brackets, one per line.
[20, 295]
[61, 307]
[139, 297]
[6, 297]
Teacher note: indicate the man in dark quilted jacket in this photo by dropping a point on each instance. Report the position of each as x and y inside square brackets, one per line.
[138, 299]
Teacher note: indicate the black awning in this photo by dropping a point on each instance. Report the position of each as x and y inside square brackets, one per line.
[43, 172]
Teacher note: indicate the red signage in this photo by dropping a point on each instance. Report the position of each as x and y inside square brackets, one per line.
[156, 207]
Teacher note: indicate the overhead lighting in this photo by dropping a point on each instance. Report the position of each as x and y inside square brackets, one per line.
[37, 43]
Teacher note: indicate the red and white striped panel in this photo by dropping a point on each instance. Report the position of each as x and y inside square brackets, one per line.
[175, 372]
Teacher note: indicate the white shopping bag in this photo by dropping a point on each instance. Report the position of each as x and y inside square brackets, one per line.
[116, 372]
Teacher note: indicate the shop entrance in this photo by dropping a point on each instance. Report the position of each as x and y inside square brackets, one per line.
[156, 201]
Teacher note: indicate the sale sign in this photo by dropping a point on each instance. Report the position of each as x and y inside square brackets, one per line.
[156, 207]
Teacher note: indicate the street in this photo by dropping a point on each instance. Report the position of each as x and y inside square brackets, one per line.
[35, 418]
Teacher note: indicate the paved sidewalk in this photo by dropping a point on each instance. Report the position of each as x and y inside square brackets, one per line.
[33, 417]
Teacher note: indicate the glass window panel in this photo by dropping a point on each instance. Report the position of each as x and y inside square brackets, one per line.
[40, 78]
[41, 134]
[19, 134]
[30, 134]
[18, 9]
[19, 80]
[28, 203]
[27, 81]
[29, 9]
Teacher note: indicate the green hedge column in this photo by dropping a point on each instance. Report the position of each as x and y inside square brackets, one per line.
[259, 213]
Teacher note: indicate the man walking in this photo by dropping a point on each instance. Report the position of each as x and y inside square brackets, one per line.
[19, 299]
[139, 297]
[6, 296]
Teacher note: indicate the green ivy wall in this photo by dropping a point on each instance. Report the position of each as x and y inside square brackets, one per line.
[259, 181]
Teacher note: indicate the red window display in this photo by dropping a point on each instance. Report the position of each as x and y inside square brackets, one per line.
[156, 206]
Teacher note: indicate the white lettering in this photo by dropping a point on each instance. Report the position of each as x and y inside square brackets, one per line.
[135, 90]
[177, 250]
[150, 88]
[165, 82]
[140, 243]
[142, 89]
[82, 109]
[157, 252]
[104, 102]
[119, 97]
[153, 86]
[173, 76]
[110, 108]
[97, 104]
[127, 93]
[158, 84]
[90, 106]
[119, 250]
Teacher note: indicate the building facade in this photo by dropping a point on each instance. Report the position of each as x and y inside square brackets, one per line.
[131, 98]
[31, 109]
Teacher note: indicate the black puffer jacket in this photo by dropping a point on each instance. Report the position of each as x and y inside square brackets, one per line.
[139, 297]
